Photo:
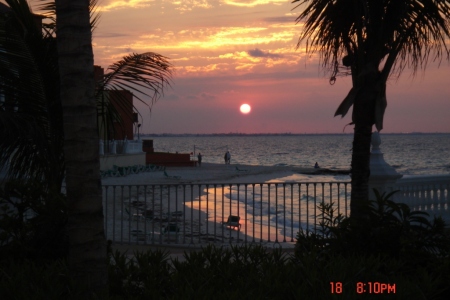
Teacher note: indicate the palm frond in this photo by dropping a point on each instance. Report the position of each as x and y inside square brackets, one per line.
[30, 113]
[147, 74]
[48, 9]
[404, 33]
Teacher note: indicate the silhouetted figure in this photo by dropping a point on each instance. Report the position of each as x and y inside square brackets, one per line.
[199, 157]
[316, 166]
[227, 157]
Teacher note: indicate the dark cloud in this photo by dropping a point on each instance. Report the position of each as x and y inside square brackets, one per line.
[171, 97]
[207, 96]
[109, 35]
[285, 19]
[259, 53]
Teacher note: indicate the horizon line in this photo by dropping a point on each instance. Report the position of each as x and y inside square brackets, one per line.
[278, 133]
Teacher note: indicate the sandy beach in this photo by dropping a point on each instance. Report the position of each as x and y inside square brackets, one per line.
[212, 173]
[208, 173]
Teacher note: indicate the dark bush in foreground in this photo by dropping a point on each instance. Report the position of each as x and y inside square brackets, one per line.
[232, 273]
[258, 273]
[392, 246]
[32, 222]
[390, 231]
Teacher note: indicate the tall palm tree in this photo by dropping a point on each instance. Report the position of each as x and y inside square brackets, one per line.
[31, 130]
[87, 255]
[30, 110]
[43, 72]
[372, 40]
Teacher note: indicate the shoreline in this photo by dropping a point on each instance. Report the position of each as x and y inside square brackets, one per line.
[218, 173]
[207, 174]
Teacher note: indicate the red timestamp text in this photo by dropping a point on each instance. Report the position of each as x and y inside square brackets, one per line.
[336, 287]
[365, 287]
[375, 288]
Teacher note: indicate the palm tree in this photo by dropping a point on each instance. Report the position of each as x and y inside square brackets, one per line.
[139, 73]
[31, 130]
[87, 255]
[43, 75]
[372, 40]
[30, 110]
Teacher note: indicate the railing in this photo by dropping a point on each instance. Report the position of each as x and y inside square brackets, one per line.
[430, 193]
[196, 214]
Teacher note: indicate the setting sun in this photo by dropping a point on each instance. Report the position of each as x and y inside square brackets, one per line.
[245, 108]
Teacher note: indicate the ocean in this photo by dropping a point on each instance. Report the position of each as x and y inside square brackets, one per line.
[284, 207]
[409, 154]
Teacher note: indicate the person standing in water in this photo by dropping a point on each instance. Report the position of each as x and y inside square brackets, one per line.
[227, 157]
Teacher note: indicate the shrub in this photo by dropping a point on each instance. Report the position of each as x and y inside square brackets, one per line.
[391, 232]
[32, 222]
[389, 229]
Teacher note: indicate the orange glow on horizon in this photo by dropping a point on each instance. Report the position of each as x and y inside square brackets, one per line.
[227, 52]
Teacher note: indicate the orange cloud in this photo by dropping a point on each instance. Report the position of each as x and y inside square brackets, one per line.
[253, 3]
[121, 4]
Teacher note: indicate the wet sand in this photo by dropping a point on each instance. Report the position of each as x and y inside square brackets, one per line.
[208, 173]
[212, 173]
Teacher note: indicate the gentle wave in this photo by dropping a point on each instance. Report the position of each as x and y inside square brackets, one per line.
[409, 154]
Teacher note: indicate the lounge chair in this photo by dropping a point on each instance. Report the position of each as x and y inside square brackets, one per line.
[233, 222]
[168, 176]
[148, 214]
[173, 215]
[140, 235]
[171, 231]
[122, 171]
[136, 169]
[154, 168]
[150, 168]
[110, 173]
[136, 216]
[178, 213]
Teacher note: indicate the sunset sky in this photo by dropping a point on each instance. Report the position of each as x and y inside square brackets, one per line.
[227, 53]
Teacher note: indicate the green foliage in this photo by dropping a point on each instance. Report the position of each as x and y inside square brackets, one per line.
[31, 123]
[389, 231]
[419, 268]
[247, 272]
[32, 222]
[27, 280]
[145, 275]
[255, 272]
[31, 134]
[388, 228]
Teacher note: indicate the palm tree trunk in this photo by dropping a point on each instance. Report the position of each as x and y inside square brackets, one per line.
[87, 253]
[360, 169]
[364, 118]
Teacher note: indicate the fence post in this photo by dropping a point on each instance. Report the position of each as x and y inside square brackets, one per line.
[382, 176]
[113, 147]
[101, 150]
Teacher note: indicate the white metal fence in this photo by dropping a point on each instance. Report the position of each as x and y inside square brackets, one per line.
[429, 193]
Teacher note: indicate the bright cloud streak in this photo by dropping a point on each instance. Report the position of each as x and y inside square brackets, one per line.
[253, 3]
[189, 5]
[105, 6]
[227, 52]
